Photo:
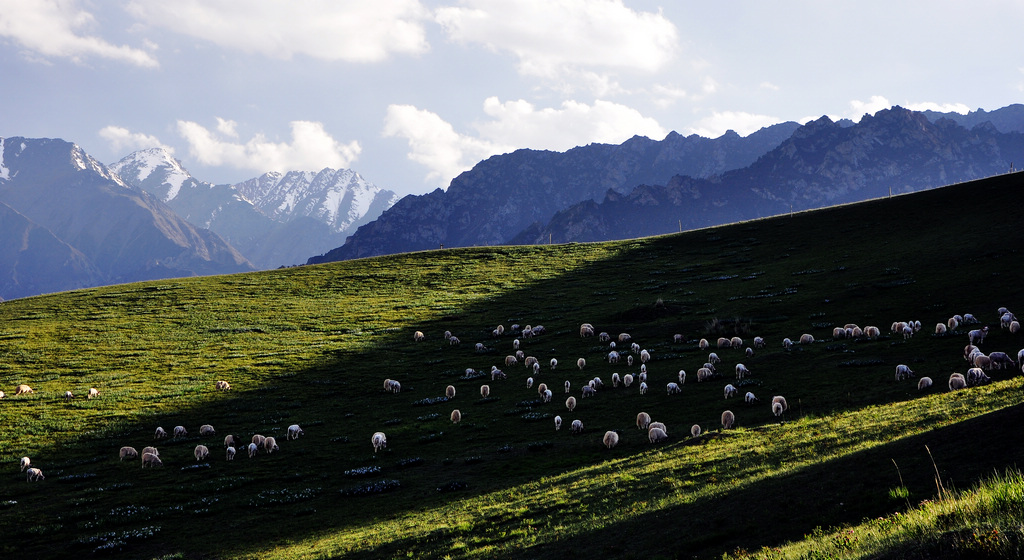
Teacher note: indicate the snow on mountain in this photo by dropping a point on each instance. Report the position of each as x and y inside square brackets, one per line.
[156, 163]
[4, 172]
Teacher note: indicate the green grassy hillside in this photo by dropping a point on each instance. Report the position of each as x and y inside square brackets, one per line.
[313, 345]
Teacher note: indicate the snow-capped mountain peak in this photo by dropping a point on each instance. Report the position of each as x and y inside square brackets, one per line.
[153, 166]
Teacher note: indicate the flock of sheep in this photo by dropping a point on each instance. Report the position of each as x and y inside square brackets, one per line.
[624, 347]
[151, 455]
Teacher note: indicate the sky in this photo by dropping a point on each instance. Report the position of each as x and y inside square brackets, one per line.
[410, 93]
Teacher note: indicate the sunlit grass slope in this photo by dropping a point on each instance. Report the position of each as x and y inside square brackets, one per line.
[313, 346]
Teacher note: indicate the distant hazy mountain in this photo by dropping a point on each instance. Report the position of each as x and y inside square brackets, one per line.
[69, 222]
[822, 164]
[275, 219]
[500, 196]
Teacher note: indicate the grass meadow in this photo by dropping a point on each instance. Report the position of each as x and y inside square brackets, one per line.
[861, 465]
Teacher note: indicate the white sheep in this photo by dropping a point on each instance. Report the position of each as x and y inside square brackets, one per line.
[449, 392]
[656, 435]
[730, 391]
[2, 395]
[643, 420]
[728, 419]
[229, 453]
[253, 450]
[588, 391]
[787, 343]
[23, 390]
[541, 388]
[758, 342]
[530, 361]
[673, 388]
[201, 452]
[624, 337]
[682, 377]
[568, 385]
[511, 360]
[627, 380]
[924, 383]
[454, 341]
[940, 329]
[546, 397]
[611, 439]
[643, 387]
[294, 431]
[26, 462]
[379, 441]
[903, 371]
[736, 342]
[258, 439]
[418, 336]
[529, 382]
[159, 433]
[749, 352]
[749, 398]
[1014, 327]
[957, 381]
[645, 356]
[206, 430]
[586, 329]
[456, 416]
[223, 386]
[658, 425]
[93, 393]
[714, 359]
[604, 337]
[581, 363]
[806, 338]
[703, 374]
[180, 431]
[150, 449]
[230, 441]
[34, 475]
[68, 396]
[558, 423]
[629, 360]
[677, 338]
[741, 371]
[614, 357]
[695, 430]
[128, 452]
[872, 332]
[777, 409]
[724, 342]
[976, 376]
[479, 346]
[577, 427]
[515, 344]
[703, 344]
[485, 391]
[151, 460]
[554, 363]
[977, 336]
[616, 379]
[270, 444]
[1001, 360]
[780, 400]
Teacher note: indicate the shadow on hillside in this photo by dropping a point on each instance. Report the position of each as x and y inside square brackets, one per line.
[693, 276]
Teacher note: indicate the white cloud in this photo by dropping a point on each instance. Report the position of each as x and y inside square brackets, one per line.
[665, 96]
[123, 140]
[435, 143]
[50, 28]
[227, 127]
[769, 86]
[553, 37]
[741, 123]
[861, 108]
[311, 149]
[939, 107]
[349, 31]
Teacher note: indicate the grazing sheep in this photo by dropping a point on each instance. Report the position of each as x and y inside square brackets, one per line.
[703, 374]
[710, 366]
[479, 347]
[975, 377]
[577, 427]
[682, 377]
[258, 439]
[604, 337]
[977, 336]
[940, 329]
[229, 453]
[554, 363]
[924, 383]
[982, 361]
[642, 376]
[741, 371]
[515, 344]
[749, 352]
[586, 329]
[223, 386]
[658, 425]
[1005, 319]
[1014, 327]
[780, 400]
[581, 363]
[23, 390]
[838, 332]
[672, 388]
[558, 423]
[270, 444]
[714, 359]
[629, 360]
[485, 391]
[806, 338]
[2, 395]
[903, 371]
[749, 398]
[643, 387]
[530, 361]
[656, 435]
[597, 383]
[529, 382]
[454, 341]
[677, 339]
[294, 431]
[624, 337]
[151, 460]
[541, 388]
[128, 453]
[26, 462]
[456, 416]
[957, 381]
[611, 439]
[201, 452]
[645, 356]
[253, 450]
[588, 391]
[613, 357]
[643, 420]
[511, 360]
[160, 433]
[787, 343]
[627, 379]
[231, 441]
[872, 332]
[730, 391]
[728, 419]
[703, 344]
[418, 336]
[150, 449]
[449, 392]
[724, 342]
[777, 409]
[616, 380]
[68, 396]
[180, 431]
[694, 430]
[379, 441]
[736, 342]
[93, 392]
[206, 430]
[546, 397]
[34, 475]
[758, 342]
[1001, 360]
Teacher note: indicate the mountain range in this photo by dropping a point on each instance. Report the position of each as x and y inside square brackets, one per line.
[645, 187]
